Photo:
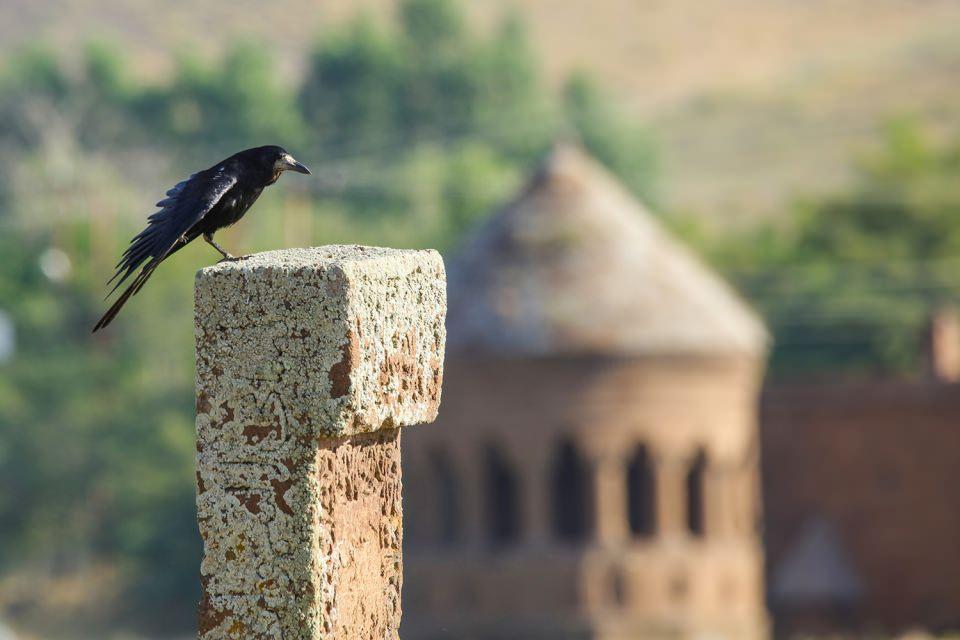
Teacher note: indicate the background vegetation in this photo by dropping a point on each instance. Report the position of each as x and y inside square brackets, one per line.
[414, 133]
[848, 281]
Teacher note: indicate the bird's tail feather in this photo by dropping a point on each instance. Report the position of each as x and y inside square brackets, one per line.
[134, 287]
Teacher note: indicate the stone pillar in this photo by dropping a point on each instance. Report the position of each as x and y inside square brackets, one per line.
[722, 500]
[716, 509]
[746, 501]
[308, 363]
[471, 497]
[609, 486]
[671, 488]
[536, 475]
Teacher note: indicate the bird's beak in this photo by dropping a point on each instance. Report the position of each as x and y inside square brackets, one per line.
[294, 165]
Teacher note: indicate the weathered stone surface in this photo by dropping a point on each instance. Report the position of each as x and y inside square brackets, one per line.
[332, 341]
[308, 362]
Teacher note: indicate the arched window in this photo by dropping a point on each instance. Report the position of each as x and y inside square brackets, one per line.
[502, 499]
[641, 500]
[570, 495]
[696, 477]
[446, 487]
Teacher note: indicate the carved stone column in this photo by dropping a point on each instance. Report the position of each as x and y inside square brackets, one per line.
[537, 499]
[670, 472]
[308, 363]
[472, 500]
[609, 485]
[722, 503]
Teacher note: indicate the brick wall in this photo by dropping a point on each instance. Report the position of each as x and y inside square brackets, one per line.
[879, 461]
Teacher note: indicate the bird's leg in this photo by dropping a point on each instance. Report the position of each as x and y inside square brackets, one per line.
[209, 238]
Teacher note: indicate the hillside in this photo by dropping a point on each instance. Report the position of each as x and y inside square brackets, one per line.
[752, 100]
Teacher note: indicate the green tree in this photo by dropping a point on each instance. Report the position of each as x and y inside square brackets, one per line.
[348, 96]
[616, 140]
[851, 283]
[210, 110]
[32, 86]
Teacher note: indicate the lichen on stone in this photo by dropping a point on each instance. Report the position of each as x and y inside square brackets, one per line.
[308, 362]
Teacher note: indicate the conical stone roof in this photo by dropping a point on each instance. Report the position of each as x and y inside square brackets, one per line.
[575, 265]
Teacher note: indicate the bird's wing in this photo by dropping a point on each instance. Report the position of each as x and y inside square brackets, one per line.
[185, 205]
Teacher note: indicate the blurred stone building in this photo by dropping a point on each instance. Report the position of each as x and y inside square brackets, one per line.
[862, 525]
[594, 472]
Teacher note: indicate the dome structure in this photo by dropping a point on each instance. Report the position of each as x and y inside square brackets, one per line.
[594, 470]
[575, 265]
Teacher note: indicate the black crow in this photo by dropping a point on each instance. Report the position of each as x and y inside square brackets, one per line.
[205, 202]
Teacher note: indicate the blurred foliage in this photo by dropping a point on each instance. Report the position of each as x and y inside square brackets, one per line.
[235, 103]
[609, 134]
[848, 283]
[413, 134]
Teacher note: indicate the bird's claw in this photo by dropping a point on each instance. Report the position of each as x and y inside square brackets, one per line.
[232, 258]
